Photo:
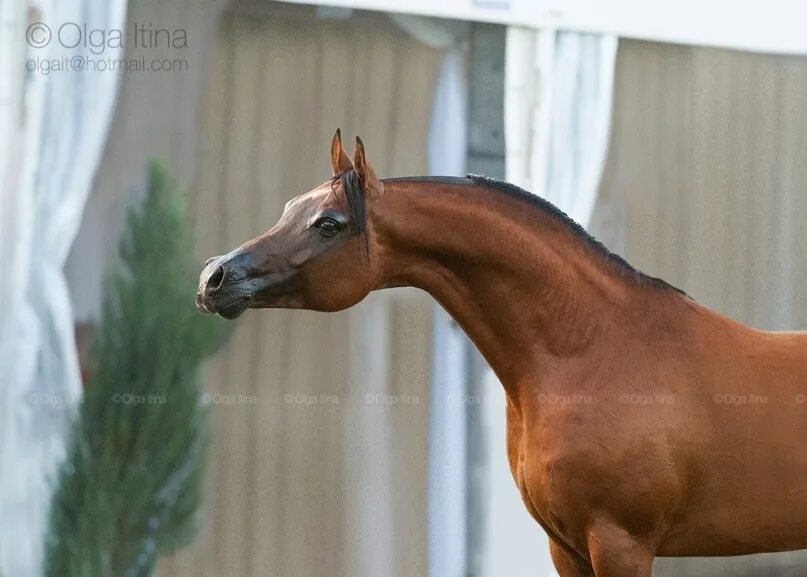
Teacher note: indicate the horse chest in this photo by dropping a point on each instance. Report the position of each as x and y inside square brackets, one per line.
[545, 494]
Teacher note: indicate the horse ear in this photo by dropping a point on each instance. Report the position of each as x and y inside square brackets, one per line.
[369, 180]
[339, 158]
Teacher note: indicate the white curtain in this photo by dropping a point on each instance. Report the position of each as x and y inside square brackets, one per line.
[558, 95]
[447, 475]
[55, 139]
[447, 154]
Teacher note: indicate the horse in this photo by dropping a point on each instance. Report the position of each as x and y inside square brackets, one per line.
[639, 422]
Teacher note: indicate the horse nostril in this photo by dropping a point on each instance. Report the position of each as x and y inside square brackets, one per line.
[215, 279]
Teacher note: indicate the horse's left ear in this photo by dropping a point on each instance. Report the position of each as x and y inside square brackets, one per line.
[369, 180]
[339, 159]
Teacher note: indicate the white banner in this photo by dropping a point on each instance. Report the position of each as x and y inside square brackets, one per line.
[775, 26]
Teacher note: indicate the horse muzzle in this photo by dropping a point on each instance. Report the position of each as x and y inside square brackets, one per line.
[224, 286]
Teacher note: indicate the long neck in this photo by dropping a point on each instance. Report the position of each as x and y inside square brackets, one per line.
[528, 291]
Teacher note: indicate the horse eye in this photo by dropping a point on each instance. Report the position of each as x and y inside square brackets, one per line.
[327, 226]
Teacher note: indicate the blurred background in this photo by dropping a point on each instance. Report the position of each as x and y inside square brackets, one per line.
[371, 442]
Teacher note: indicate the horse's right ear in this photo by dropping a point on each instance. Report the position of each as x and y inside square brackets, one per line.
[339, 159]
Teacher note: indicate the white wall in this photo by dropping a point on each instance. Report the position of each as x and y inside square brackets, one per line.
[769, 26]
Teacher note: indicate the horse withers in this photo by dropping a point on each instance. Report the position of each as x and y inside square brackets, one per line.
[681, 432]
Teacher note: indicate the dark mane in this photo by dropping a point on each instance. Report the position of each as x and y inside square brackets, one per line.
[517, 193]
[357, 209]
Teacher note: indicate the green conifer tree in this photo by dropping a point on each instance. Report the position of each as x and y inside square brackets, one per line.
[132, 484]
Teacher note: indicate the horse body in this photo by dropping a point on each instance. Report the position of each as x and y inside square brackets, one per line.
[631, 409]
[747, 462]
[675, 452]
[639, 423]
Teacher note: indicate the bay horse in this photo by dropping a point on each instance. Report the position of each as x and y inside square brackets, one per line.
[639, 423]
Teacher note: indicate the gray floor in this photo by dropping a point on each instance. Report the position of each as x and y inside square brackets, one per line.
[792, 564]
